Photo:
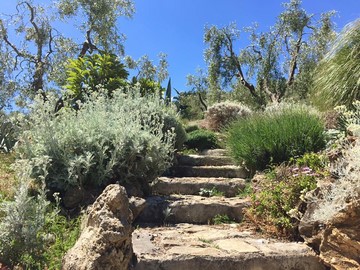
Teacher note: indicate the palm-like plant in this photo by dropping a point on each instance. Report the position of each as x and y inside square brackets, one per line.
[337, 78]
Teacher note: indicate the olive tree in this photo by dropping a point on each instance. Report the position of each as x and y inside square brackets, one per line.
[275, 63]
[35, 52]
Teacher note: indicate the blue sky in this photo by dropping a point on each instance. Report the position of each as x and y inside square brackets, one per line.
[176, 27]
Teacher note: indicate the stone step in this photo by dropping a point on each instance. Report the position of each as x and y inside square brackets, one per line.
[229, 171]
[220, 247]
[192, 185]
[190, 209]
[214, 152]
[201, 160]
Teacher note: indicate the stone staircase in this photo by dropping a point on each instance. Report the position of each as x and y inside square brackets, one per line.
[174, 232]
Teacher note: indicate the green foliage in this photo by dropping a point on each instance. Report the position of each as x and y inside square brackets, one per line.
[337, 76]
[244, 193]
[85, 74]
[8, 133]
[7, 176]
[21, 223]
[275, 136]
[221, 114]
[272, 60]
[201, 139]
[172, 122]
[60, 234]
[315, 161]
[168, 93]
[99, 20]
[148, 87]
[106, 139]
[210, 192]
[222, 219]
[33, 233]
[277, 200]
[191, 128]
[189, 106]
[347, 117]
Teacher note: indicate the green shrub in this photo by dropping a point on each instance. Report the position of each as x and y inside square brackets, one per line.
[201, 139]
[21, 223]
[275, 136]
[106, 139]
[277, 200]
[172, 121]
[60, 234]
[191, 128]
[8, 133]
[33, 235]
[221, 114]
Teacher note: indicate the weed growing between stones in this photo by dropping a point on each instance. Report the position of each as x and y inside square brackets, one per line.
[205, 192]
[221, 219]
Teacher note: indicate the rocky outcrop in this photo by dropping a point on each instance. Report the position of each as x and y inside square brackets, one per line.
[340, 245]
[338, 240]
[105, 242]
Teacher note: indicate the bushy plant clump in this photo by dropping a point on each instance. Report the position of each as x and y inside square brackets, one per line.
[275, 136]
[277, 203]
[344, 189]
[201, 139]
[21, 222]
[173, 122]
[121, 138]
[221, 114]
[32, 233]
[8, 133]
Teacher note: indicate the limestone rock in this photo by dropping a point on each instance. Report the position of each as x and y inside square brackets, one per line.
[340, 246]
[105, 242]
[338, 240]
[137, 205]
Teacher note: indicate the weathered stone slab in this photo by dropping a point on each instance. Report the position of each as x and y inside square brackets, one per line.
[191, 209]
[235, 245]
[192, 185]
[229, 171]
[201, 160]
[180, 247]
[214, 152]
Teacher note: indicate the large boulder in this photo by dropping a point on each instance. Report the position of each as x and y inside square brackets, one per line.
[105, 242]
[340, 245]
[337, 241]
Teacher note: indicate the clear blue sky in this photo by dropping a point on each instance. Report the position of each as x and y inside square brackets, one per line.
[176, 27]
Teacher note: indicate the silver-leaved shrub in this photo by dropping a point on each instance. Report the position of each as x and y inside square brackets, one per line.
[22, 220]
[105, 139]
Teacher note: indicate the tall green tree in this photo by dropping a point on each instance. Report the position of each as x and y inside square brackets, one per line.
[275, 62]
[337, 78]
[36, 57]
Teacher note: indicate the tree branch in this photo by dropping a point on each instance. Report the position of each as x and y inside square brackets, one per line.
[240, 74]
[87, 45]
[293, 62]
